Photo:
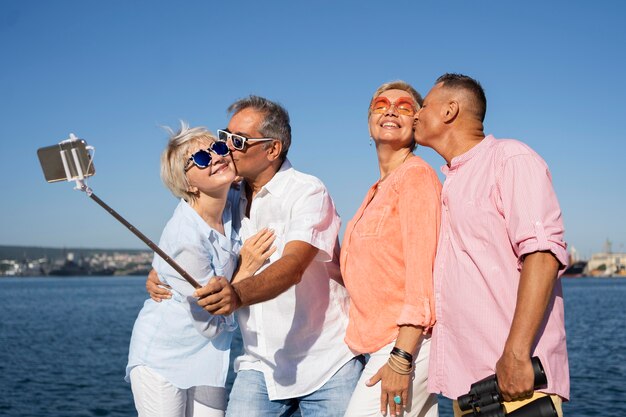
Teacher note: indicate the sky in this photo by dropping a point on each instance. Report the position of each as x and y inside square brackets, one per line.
[115, 72]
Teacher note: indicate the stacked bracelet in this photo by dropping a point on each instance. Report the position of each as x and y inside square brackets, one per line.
[400, 361]
[403, 354]
[399, 365]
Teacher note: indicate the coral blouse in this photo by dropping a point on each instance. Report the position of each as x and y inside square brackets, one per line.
[388, 255]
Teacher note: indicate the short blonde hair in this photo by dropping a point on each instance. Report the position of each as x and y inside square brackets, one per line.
[175, 156]
[396, 85]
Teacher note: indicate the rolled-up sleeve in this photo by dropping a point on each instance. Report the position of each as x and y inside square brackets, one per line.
[531, 209]
[420, 217]
[314, 220]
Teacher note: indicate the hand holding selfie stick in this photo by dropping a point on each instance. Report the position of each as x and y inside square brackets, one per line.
[70, 161]
[485, 398]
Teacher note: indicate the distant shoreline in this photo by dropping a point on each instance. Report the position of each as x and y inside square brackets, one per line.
[36, 252]
[25, 261]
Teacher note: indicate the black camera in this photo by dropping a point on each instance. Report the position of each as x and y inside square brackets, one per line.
[485, 399]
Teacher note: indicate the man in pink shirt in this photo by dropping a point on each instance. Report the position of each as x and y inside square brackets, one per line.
[497, 289]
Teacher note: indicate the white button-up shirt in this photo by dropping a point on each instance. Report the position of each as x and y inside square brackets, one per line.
[297, 338]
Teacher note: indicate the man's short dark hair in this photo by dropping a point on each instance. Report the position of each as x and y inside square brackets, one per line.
[470, 85]
[275, 123]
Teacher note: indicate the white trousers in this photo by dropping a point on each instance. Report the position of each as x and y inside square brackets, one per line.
[365, 401]
[157, 397]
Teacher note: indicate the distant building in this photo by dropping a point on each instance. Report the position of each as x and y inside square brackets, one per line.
[607, 264]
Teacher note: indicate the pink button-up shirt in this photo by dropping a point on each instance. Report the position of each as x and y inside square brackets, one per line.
[498, 204]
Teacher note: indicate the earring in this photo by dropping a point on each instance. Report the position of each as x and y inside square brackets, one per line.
[370, 141]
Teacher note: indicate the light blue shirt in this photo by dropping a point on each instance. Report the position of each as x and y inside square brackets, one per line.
[177, 338]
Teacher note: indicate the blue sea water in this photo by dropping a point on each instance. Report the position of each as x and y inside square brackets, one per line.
[64, 343]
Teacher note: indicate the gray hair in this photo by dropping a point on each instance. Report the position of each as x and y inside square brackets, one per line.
[176, 154]
[275, 122]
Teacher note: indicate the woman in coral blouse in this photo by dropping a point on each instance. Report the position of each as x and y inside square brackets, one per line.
[387, 264]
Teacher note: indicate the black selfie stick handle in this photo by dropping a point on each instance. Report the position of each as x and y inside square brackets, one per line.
[143, 237]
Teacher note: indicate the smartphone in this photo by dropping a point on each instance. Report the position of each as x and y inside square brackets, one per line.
[66, 161]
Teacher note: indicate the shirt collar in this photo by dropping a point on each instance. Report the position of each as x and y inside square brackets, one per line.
[460, 160]
[275, 186]
[280, 180]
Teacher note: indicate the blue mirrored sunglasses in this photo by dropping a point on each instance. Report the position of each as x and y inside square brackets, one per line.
[202, 158]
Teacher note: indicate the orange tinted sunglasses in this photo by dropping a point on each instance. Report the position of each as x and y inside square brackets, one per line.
[403, 105]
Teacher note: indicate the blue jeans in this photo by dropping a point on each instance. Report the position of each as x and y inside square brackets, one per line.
[249, 398]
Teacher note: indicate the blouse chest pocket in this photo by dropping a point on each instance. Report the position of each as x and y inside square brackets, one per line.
[372, 221]
[222, 256]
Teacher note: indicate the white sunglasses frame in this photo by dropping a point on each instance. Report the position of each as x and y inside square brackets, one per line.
[244, 139]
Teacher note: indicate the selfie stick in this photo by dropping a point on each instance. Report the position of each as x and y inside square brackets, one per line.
[80, 185]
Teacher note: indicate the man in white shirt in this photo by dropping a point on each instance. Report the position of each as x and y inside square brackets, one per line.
[293, 312]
